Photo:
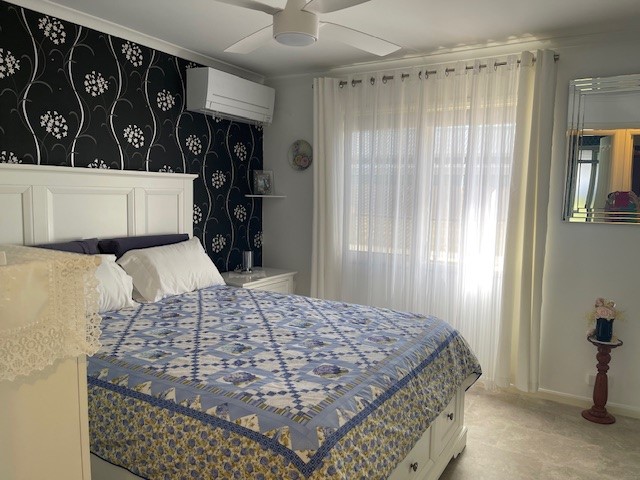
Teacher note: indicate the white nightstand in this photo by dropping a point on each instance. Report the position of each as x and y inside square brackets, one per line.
[271, 279]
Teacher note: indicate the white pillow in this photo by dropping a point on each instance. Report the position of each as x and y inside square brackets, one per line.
[114, 285]
[159, 272]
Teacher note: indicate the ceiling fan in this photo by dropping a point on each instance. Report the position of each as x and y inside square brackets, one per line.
[298, 25]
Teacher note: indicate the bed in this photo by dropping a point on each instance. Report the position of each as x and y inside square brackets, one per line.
[234, 383]
[271, 385]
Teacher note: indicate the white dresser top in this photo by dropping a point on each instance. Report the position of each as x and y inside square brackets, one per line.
[257, 275]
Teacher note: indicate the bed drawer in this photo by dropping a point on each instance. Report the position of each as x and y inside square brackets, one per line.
[446, 425]
[417, 463]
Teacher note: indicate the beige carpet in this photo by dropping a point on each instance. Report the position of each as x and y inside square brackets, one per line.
[514, 436]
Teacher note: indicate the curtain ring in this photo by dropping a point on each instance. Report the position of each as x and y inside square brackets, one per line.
[420, 74]
[353, 83]
[426, 74]
[384, 79]
[372, 81]
[341, 84]
[495, 66]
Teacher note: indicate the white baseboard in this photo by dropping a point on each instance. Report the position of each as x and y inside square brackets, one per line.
[570, 399]
[585, 402]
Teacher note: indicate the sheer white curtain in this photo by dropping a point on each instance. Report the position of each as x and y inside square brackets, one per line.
[412, 184]
[519, 343]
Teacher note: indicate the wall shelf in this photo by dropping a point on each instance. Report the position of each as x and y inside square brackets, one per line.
[265, 196]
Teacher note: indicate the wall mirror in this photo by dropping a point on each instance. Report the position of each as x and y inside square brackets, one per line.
[603, 137]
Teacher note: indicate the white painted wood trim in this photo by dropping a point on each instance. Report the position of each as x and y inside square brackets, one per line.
[130, 191]
[273, 279]
[26, 194]
[44, 426]
[178, 193]
[83, 416]
[430, 457]
[575, 400]
[39, 188]
[583, 402]
[44, 169]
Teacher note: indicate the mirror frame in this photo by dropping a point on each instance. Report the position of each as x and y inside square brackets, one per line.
[579, 92]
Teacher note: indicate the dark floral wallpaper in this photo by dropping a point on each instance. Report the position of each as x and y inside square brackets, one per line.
[76, 97]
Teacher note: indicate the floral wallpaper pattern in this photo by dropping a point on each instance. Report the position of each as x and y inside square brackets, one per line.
[77, 97]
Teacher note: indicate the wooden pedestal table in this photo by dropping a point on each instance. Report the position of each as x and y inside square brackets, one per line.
[598, 412]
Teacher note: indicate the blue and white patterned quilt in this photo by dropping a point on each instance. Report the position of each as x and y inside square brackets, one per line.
[296, 376]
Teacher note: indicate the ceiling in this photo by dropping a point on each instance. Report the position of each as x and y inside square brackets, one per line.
[421, 27]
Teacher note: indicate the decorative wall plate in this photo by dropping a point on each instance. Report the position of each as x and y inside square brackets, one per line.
[300, 155]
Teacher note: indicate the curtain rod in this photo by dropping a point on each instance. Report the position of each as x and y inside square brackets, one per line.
[447, 71]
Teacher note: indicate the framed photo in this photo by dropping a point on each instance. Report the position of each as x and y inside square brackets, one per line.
[263, 182]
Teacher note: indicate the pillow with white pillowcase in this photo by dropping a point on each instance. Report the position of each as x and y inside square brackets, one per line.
[114, 285]
[160, 272]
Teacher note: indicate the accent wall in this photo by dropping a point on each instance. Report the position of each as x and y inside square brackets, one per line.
[73, 96]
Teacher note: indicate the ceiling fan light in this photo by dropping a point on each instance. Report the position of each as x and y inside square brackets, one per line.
[295, 39]
[295, 27]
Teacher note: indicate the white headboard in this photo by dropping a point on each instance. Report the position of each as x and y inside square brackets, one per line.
[40, 204]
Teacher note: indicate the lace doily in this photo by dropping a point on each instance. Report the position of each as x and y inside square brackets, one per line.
[48, 309]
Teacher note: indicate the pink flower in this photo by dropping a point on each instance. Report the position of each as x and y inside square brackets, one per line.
[605, 309]
[605, 312]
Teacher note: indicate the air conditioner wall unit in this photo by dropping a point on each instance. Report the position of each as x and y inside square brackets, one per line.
[221, 94]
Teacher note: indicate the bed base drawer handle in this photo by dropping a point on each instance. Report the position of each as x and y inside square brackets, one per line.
[414, 466]
[450, 416]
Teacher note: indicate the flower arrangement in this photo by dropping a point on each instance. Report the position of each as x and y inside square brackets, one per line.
[601, 318]
[604, 309]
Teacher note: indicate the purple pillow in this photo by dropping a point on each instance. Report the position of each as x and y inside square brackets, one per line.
[120, 246]
[88, 246]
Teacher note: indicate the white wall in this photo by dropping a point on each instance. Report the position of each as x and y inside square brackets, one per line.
[582, 261]
[286, 222]
[587, 261]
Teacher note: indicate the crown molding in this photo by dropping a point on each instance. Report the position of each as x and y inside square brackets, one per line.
[89, 21]
[473, 52]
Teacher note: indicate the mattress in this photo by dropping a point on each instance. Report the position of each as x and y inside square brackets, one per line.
[235, 383]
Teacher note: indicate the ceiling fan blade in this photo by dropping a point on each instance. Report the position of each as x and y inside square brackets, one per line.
[328, 6]
[362, 41]
[252, 42]
[252, 5]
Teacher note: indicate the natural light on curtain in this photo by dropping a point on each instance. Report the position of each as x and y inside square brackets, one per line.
[412, 192]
